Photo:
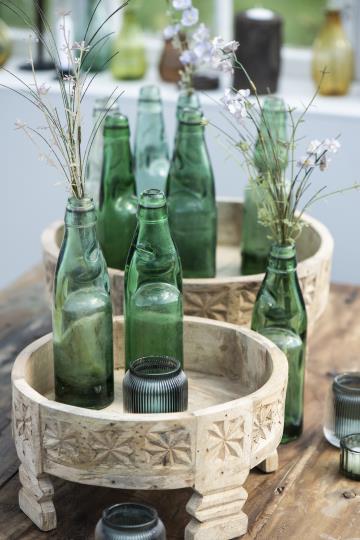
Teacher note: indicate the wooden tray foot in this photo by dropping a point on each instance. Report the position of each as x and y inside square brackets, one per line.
[217, 515]
[270, 464]
[36, 499]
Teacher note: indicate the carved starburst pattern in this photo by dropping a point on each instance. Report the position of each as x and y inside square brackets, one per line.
[23, 421]
[247, 301]
[265, 418]
[111, 447]
[60, 442]
[226, 438]
[208, 305]
[168, 448]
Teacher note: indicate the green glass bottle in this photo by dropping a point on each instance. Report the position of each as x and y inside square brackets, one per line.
[82, 314]
[117, 203]
[94, 163]
[129, 61]
[255, 242]
[280, 315]
[151, 149]
[153, 286]
[187, 99]
[191, 198]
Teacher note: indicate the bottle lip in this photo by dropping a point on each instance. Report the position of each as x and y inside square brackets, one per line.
[152, 198]
[281, 251]
[85, 204]
[347, 383]
[150, 93]
[190, 116]
[116, 120]
[155, 367]
[102, 105]
[274, 104]
[120, 516]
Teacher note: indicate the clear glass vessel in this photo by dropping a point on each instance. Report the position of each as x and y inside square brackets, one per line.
[155, 384]
[89, 16]
[187, 100]
[280, 315]
[153, 307]
[130, 521]
[95, 160]
[190, 192]
[350, 456]
[343, 407]
[151, 149]
[255, 242]
[129, 61]
[82, 314]
[332, 51]
[118, 202]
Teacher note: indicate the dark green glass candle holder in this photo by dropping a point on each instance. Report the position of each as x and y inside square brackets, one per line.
[130, 521]
[350, 456]
[155, 384]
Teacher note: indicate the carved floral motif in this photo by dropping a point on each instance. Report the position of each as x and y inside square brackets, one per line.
[267, 418]
[22, 421]
[226, 438]
[168, 448]
[211, 305]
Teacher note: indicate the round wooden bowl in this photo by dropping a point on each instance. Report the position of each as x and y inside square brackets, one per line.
[229, 296]
[237, 387]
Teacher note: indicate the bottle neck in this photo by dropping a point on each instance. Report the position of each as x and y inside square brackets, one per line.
[282, 260]
[333, 17]
[80, 225]
[117, 173]
[154, 227]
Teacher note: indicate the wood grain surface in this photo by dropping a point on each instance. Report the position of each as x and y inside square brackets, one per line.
[305, 498]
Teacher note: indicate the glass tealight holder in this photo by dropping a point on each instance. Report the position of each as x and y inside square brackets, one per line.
[155, 384]
[350, 456]
[343, 407]
[130, 521]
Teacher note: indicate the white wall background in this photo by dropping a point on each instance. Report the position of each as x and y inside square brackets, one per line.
[31, 198]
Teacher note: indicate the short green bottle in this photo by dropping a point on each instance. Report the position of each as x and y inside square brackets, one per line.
[153, 307]
[190, 193]
[151, 149]
[117, 201]
[82, 314]
[280, 315]
[255, 241]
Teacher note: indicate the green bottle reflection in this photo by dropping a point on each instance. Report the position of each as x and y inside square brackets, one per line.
[117, 202]
[153, 307]
[82, 314]
[280, 315]
[255, 242]
[191, 198]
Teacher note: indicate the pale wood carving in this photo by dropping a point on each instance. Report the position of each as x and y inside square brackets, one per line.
[237, 385]
[229, 297]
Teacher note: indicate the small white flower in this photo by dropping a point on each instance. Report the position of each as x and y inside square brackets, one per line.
[235, 103]
[181, 4]
[218, 42]
[202, 33]
[203, 51]
[80, 46]
[230, 47]
[315, 148]
[19, 124]
[43, 89]
[308, 161]
[171, 31]
[331, 145]
[188, 57]
[190, 17]
[222, 64]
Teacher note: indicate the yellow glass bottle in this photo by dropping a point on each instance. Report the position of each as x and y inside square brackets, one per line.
[129, 61]
[332, 51]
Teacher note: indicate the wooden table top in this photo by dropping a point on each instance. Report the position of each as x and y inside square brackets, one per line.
[306, 498]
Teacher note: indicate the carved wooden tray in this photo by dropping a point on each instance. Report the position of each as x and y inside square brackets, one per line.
[237, 387]
[228, 297]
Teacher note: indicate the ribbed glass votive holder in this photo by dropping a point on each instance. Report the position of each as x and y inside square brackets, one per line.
[155, 384]
[350, 456]
[343, 407]
[130, 521]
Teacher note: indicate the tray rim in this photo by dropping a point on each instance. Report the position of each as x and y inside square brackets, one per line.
[274, 384]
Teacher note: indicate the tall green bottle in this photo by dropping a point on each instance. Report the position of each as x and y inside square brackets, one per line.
[151, 149]
[153, 286]
[82, 314]
[191, 198]
[280, 314]
[255, 242]
[117, 203]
